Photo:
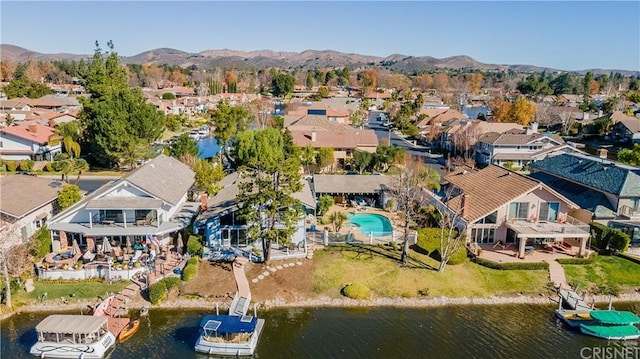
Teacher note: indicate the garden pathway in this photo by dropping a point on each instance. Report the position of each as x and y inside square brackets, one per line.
[556, 274]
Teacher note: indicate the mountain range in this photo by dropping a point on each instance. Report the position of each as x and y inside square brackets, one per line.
[309, 59]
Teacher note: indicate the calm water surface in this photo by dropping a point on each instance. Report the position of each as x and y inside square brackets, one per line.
[511, 331]
[208, 147]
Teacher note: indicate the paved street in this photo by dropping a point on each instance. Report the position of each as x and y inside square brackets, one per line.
[384, 134]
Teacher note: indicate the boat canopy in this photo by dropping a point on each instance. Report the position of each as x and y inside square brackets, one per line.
[615, 331]
[613, 317]
[228, 324]
[71, 324]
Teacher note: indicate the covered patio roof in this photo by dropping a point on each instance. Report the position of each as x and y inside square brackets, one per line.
[350, 184]
[526, 229]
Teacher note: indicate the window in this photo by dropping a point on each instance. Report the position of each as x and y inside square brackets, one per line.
[490, 219]
[143, 214]
[549, 211]
[482, 235]
[518, 210]
[110, 215]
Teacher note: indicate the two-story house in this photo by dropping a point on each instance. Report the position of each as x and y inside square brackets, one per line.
[26, 203]
[517, 148]
[625, 128]
[28, 142]
[499, 205]
[607, 189]
[152, 201]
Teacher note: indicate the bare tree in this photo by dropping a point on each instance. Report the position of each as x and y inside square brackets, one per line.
[452, 226]
[409, 188]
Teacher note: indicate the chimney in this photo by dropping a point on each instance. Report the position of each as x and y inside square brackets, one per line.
[33, 128]
[465, 205]
[52, 123]
[313, 135]
[534, 127]
[203, 202]
[603, 153]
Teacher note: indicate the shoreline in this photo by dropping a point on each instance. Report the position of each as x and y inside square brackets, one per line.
[326, 302]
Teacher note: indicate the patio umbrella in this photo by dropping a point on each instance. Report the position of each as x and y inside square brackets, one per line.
[75, 249]
[91, 244]
[64, 243]
[106, 246]
[179, 243]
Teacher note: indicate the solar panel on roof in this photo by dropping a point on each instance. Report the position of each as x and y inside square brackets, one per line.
[212, 325]
[246, 318]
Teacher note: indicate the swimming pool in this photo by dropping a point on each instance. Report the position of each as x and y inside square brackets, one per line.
[370, 223]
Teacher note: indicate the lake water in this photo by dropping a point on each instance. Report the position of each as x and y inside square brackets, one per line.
[505, 331]
[208, 147]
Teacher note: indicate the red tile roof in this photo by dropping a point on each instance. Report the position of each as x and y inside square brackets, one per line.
[32, 132]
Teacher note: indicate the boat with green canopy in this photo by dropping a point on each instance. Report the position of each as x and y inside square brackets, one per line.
[612, 325]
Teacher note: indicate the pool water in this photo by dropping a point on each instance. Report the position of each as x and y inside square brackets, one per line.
[370, 223]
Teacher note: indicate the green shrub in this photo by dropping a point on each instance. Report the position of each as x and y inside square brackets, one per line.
[12, 166]
[168, 96]
[41, 243]
[357, 291]
[157, 292]
[579, 261]
[601, 233]
[191, 269]
[194, 247]
[48, 167]
[618, 240]
[26, 165]
[172, 282]
[458, 257]
[512, 265]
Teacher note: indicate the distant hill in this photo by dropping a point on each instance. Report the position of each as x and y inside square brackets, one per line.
[302, 60]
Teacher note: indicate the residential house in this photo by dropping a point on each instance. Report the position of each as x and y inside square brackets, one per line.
[518, 149]
[460, 136]
[339, 115]
[26, 203]
[28, 142]
[625, 128]
[150, 202]
[499, 205]
[221, 225]
[343, 142]
[609, 190]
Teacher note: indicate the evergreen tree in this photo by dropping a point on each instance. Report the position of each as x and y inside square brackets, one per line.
[115, 116]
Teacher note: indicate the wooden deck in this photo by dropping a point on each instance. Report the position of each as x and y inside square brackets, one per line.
[117, 324]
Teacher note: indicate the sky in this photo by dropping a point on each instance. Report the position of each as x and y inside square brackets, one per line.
[562, 35]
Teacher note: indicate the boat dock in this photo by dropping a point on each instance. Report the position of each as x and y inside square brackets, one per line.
[572, 300]
[116, 325]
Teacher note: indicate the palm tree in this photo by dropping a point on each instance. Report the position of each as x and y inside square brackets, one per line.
[80, 166]
[338, 219]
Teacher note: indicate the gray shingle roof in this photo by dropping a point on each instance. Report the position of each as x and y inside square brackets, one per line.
[20, 195]
[164, 177]
[592, 172]
[591, 200]
[349, 183]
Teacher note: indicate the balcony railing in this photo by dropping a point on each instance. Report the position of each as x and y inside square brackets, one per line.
[629, 212]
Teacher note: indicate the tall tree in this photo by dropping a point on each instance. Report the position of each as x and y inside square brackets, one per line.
[270, 177]
[362, 160]
[115, 115]
[408, 189]
[208, 175]
[229, 121]
[522, 111]
[184, 144]
[307, 158]
[324, 157]
[282, 84]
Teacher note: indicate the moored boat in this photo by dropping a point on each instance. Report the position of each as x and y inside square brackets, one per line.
[612, 325]
[229, 335]
[128, 331]
[73, 336]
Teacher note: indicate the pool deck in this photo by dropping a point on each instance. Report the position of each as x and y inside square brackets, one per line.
[357, 235]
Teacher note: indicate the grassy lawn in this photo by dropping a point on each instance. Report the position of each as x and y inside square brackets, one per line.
[607, 271]
[56, 291]
[378, 268]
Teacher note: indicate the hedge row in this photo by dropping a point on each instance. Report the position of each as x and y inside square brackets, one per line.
[191, 269]
[628, 257]
[592, 258]
[609, 238]
[512, 265]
